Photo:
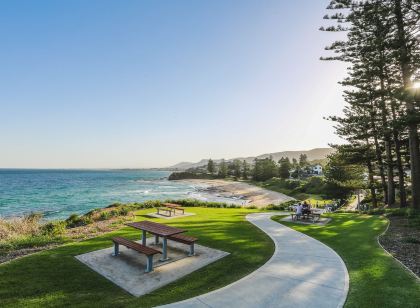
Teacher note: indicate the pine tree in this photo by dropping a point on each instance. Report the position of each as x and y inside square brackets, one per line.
[210, 166]
[223, 169]
[284, 169]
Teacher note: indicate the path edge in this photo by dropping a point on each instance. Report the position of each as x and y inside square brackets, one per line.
[271, 214]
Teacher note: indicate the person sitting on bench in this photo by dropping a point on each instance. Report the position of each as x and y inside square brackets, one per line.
[298, 211]
[306, 208]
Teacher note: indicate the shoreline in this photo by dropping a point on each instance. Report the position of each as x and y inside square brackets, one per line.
[239, 192]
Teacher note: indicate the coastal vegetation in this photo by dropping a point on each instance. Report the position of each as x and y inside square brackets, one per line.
[376, 280]
[55, 278]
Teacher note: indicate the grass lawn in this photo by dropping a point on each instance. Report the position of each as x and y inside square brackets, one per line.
[376, 279]
[56, 278]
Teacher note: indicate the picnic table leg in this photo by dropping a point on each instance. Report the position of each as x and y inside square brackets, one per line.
[116, 249]
[156, 239]
[164, 250]
[192, 253]
[149, 266]
[143, 238]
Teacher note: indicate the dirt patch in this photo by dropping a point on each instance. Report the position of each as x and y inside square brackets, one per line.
[403, 242]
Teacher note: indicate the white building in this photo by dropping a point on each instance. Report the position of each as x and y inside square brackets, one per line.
[317, 169]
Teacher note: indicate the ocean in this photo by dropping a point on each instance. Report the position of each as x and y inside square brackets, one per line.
[58, 193]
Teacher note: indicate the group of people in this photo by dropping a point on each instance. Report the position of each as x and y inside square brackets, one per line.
[303, 208]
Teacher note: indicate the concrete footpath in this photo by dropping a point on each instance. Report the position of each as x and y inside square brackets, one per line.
[303, 272]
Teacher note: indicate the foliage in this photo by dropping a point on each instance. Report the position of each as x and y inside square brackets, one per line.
[285, 167]
[303, 189]
[28, 232]
[264, 169]
[381, 117]
[223, 169]
[54, 228]
[211, 168]
[189, 175]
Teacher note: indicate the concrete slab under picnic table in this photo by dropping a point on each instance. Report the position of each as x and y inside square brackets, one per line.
[127, 269]
[322, 221]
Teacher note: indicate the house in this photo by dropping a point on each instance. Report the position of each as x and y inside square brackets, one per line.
[317, 169]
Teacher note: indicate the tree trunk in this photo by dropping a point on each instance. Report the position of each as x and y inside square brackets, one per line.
[381, 169]
[390, 171]
[371, 180]
[399, 164]
[379, 158]
[405, 60]
[388, 145]
[400, 167]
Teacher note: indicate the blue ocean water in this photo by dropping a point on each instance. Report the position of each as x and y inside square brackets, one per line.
[59, 193]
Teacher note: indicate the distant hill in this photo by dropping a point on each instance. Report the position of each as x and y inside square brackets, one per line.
[318, 154]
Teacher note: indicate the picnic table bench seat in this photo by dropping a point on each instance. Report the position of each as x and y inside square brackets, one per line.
[148, 251]
[184, 239]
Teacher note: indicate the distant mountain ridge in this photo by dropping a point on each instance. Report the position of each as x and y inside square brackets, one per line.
[314, 154]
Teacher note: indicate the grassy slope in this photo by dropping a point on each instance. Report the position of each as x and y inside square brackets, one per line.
[311, 198]
[376, 279]
[56, 278]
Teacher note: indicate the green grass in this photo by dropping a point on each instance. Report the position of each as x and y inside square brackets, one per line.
[376, 279]
[280, 186]
[55, 278]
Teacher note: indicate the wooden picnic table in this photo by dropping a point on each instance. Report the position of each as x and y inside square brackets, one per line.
[174, 207]
[158, 230]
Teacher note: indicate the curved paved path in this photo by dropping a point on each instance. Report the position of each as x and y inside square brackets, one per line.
[303, 272]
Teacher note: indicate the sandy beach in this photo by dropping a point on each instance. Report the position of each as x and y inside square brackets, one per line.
[250, 195]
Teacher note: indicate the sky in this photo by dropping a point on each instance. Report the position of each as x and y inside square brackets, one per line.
[137, 84]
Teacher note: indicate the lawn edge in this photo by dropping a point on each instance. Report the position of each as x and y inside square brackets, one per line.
[409, 271]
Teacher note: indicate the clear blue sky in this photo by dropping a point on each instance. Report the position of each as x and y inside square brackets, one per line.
[114, 84]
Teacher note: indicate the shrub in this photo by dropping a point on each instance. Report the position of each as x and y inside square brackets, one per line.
[74, 220]
[53, 228]
[124, 211]
[105, 215]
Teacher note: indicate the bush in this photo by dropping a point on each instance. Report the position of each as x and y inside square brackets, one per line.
[105, 215]
[54, 228]
[74, 220]
[124, 211]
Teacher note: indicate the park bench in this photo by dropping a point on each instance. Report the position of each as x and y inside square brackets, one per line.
[174, 207]
[149, 252]
[184, 239]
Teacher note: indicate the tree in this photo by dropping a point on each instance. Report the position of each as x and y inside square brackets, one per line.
[303, 161]
[284, 169]
[210, 166]
[381, 118]
[264, 169]
[237, 168]
[245, 170]
[223, 170]
[344, 172]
